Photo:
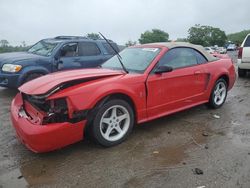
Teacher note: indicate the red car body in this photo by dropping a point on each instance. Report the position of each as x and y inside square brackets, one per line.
[151, 95]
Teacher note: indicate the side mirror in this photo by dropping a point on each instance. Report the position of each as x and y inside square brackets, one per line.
[162, 69]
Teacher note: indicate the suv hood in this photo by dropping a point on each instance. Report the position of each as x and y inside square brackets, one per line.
[16, 56]
[48, 84]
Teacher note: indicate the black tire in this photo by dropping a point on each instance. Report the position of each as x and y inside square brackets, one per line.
[97, 127]
[242, 73]
[32, 76]
[212, 100]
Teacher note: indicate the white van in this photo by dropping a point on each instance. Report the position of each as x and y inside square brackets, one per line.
[244, 57]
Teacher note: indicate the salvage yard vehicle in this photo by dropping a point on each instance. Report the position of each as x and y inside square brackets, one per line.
[244, 57]
[51, 55]
[139, 84]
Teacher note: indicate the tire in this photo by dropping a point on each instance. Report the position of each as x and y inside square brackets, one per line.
[218, 94]
[112, 123]
[241, 73]
[32, 76]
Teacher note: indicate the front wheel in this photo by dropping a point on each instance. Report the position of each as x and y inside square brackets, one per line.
[113, 123]
[32, 76]
[219, 94]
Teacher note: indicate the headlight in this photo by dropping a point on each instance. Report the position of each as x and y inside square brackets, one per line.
[11, 68]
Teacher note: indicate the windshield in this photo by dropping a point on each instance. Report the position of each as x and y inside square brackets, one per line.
[134, 59]
[43, 48]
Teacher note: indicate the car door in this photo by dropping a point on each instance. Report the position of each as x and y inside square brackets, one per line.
[89, 55]
[68, 57]
[179, 88]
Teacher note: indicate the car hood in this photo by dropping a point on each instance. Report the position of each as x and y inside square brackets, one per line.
[47, 84]
[16, 56]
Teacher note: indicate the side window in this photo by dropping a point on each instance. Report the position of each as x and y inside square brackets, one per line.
[200, 58]
[69, 50]
[179, 57]
[247, 42]
[109, 49]
[88, 49]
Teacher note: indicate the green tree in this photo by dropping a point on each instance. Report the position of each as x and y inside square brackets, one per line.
[181, 40]
[206, 35]
[93, 36]
[130, 43]
[238, 37]
[23, 44]
[4, 43]
[156, 35]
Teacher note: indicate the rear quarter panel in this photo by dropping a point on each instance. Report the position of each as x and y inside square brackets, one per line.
[217, 69]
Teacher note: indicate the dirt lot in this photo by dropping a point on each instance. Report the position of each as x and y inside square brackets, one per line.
[161, 153]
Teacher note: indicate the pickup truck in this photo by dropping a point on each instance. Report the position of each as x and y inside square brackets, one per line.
[51, 55]
[244, 57]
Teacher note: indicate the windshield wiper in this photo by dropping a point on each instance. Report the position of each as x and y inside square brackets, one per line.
[117, 53]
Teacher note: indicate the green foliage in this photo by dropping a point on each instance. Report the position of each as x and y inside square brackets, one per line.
[181, 40]
[130, 43]
[93, 36]
[238, 37]
[3, 43]
[5, 47]
[206, 36]
[156, 35]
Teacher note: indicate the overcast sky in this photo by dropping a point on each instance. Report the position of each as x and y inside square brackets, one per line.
[119, 20]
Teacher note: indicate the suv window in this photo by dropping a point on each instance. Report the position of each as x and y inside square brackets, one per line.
[247, 42]
[179, 57]
[69, 50]
[88, 49]
[109, 49]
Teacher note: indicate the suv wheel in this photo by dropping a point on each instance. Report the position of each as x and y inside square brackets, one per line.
[113, 123]
[32, 76]
[241, 72]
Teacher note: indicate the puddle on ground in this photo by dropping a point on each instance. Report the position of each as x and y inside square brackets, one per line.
[175, 154]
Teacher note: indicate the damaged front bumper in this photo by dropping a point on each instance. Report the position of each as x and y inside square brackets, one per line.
[43, 138]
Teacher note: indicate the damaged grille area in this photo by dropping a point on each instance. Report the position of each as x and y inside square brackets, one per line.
[56, 111]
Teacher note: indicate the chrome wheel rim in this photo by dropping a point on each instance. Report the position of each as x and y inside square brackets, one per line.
[115, 123]
[220, 93]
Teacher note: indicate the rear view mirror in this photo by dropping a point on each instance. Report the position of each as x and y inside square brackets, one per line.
[162, 69]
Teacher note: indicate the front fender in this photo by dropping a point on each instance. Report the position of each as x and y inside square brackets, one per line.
[87, 97]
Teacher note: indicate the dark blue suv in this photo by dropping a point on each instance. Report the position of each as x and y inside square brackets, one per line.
[51, 55]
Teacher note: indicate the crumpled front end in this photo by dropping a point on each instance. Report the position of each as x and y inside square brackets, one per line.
[45, 125]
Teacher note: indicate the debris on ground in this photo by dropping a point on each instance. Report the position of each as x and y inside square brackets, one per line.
[241, 100]
[156, 152]
[197, 171]
[216, 116]
[235, 123]
[203, 186]
[204, 133]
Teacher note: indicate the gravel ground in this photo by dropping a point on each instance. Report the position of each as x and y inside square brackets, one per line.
[161, 153]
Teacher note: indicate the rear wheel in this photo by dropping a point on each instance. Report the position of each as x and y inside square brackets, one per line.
[241, 72]
[219, 94]
[113, 123]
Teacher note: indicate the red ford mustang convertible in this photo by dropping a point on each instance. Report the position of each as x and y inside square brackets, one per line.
[140, 84]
